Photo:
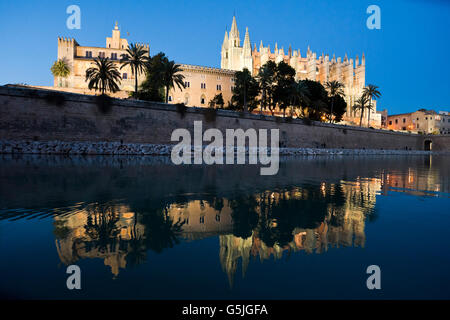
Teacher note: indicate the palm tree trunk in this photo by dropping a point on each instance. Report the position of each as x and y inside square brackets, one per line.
[245, 99]
[331, 111]
[360, 120]
[368, 119]
[263, 99]
[135, 82]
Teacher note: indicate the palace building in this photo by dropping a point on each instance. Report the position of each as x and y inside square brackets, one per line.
[80, 58]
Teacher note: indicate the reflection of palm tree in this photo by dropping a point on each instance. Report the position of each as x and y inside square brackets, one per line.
[161, 231]
[245, 217]
[101, 226]
[137, 253]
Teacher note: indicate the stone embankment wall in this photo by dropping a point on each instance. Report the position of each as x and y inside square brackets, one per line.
[40, 115]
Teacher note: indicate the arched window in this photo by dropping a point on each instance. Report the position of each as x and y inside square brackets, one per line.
[203, 99]
[170, 98]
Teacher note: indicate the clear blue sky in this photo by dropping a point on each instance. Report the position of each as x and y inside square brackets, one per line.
[408, 58]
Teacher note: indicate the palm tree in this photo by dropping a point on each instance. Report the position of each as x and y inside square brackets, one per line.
[172, 76]
[361, 105]
[103, 76]
[266, 81]
[335, 89]
[136, 57]
[60, 69]
[372, 92]
[301, 94]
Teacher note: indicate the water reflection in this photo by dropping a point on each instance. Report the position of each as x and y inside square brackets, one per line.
[120, 211]
[311, 218]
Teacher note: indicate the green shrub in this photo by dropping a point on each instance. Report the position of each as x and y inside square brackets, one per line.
[210, 114]
[104, 103]
[55, 98]
[181, 109]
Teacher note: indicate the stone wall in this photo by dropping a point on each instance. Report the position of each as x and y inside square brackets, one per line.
[41, 115]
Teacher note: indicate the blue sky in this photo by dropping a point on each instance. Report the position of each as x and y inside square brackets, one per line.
[408, 58]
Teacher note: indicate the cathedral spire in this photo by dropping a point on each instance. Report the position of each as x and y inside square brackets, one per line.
[234, 32]
[225, 40]
[247, 39]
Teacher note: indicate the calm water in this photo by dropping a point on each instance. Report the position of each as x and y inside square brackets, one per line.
[143, 228]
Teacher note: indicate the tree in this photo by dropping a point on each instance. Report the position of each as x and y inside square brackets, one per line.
[60, 69]
[245, 91]
[340, 106]
[300, 95]
[136, 58]
[284, 88]
[217, 101]
[152, 88]
[318, 100]
[372, 92]
[171, 77]
[266, 81]
[334, 89]
[103, 76]
[361, 105]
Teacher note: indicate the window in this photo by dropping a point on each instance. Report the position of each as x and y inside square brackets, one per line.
[125, 76]
[187, 84]
[403, 128]
[170, 98]
[203, 85]
[101, 54]
[88, 54]
[404, 120]
[202, 220]
[219, 87]
[396, 120]
[390, 122]
[202, 99]
[114, 56]
[218, 217]
[426, 118]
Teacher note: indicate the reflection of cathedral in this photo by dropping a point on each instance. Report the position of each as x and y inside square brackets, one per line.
[309, 218]
[343, 226]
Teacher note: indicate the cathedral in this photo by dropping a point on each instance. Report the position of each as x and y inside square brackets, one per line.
[349, 72]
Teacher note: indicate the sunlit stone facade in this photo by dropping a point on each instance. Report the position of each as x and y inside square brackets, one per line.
[80, 58]
[351, 73]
